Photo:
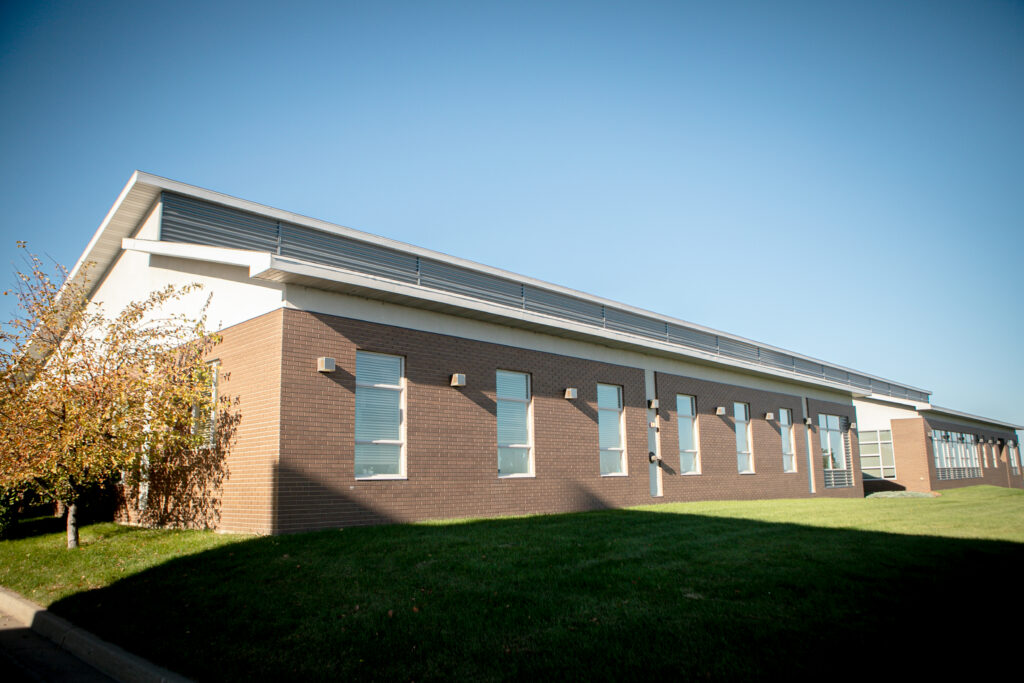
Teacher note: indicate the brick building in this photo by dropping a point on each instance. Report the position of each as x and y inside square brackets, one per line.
[377, 381]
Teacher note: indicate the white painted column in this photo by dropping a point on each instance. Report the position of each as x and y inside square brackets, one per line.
[653, 435]
[810, 444]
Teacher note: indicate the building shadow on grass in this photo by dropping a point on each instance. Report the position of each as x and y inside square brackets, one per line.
[611, 594]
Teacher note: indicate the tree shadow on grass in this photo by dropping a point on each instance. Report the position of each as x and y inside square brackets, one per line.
[612, 594]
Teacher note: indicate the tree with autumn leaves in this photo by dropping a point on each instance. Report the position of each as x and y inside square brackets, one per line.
[87, 398]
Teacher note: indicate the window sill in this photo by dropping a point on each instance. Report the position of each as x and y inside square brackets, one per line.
[689, 474]
[517, 476]
[384, 477]
[616, 474]
[749, 472]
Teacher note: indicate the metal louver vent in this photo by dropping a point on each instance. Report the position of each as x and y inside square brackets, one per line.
[195, 222]
[637, 324]
[461, 281]
[334, 250]
[737, 349]
[694, 338]
[562, 306]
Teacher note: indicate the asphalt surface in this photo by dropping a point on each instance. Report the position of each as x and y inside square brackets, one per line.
[26, 656]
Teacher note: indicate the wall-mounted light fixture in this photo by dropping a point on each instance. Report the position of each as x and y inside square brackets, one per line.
[769, 416]
[458, 380]
[324, 364]
[809, 422]
[653, 404]
[853, 425]
[571, 393]
[720, 410]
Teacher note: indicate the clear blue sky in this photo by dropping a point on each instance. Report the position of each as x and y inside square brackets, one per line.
[845, 180]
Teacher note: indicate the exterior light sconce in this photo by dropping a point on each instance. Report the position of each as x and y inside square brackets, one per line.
[458, 380]
[571, 393]
[325, 364]
[769, 416]
[809, 422]
[653, 404]
[991, 440]
[654, 457]
[853, 425]
[720, 410]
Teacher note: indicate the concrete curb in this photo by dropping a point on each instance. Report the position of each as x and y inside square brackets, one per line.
[106, 657]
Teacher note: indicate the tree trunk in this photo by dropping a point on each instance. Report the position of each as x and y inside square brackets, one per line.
[72, 526]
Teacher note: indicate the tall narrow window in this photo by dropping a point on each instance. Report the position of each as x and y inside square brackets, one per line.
[610, 429]
[1014, 457]
[832, 450]
[204, 414]
[380, 410]
[744, 452]
[515, 435]
[786, 432]
[984, 453]
[995, 455]
[686, 414]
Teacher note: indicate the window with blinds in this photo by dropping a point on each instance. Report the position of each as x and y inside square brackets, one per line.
[786, 434]
[380, 410]
[744, 451]
[686, 417]
[610, 430]
[515, 430]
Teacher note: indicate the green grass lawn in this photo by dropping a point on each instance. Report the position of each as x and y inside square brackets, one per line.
[763, 589]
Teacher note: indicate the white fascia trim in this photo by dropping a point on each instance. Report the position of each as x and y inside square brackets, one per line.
[280, 268]
[298, 219]
[83, 260]
[255, 261]
[883, 398]
[978, 418]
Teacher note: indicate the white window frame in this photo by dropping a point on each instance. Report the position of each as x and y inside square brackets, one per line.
[621, 448]
[695, 451]
[786, 436]
[210, 438]
[529, 425]
[748, 454]
[401, 441]
[873, 437]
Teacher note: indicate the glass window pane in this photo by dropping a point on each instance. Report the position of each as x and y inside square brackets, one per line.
[887, 454]
[688, 462]
[608, 428]
[609, 396]
[869, 449]
[378, 414]
[870, 461]
[868, 474]
[513, 385]
[513, 427]
[611, 462]
[784, 416]
[889, 473]
[822, 421]
[686, 440]
[684, 405]
[885, 435]
[836, 442]
[742, 444]
[787, 440]
[739, 411]
[372, 459]
[374, 368]
[833, 421]
[513, 461]
[743, 462]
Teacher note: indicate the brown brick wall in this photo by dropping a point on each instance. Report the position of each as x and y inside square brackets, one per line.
[250, 372]
[452, 441]
[912, 454]
[719, 477]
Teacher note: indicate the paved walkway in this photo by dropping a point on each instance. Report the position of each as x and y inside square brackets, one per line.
[27, 656]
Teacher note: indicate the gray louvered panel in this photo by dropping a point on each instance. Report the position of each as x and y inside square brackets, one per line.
[808, 368]
[565, 307]
[897, 391]
[879, 387]
[637, 324]
[917, 396]
[859, 381]
[334, 250]
[776, 359]
[195, 222]
[838, 479]
[737, 349]
[835, 373]
[448, 278]
[694, 338]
